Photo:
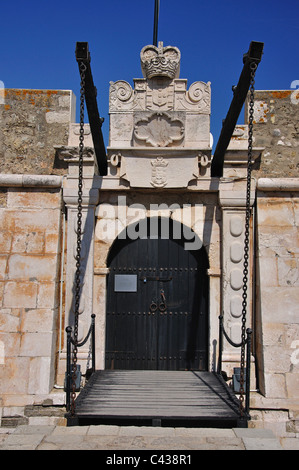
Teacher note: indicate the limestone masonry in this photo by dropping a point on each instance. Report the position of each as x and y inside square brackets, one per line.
[159, 158]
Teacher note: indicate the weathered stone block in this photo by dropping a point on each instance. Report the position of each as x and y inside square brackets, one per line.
[277, 359]
[29, 220]
[268, 275]
[37, 344]
[275, 385]
[288, 271]
[47, 297]
[28, 242]
[10, 342]
[279, 304]
[20, 293]
[33, 198]
[3, 263]
[14, 376]
[5, 242]
[34, 268]
[32, 122]
[39, 380]
[276, 128]
[281, 241]
[9, 323]
[37, 320]
[273, 334]
[52, 242]
[292, 383]
[296, 210]
[276, 213]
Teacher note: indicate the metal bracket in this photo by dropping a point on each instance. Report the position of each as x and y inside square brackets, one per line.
[83, 55]
[254, 54]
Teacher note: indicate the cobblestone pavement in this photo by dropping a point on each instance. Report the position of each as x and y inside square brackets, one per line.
[127, 438]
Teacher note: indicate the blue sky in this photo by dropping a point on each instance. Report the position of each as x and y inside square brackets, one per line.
[38, 40]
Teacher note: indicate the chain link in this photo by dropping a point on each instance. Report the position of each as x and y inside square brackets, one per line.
[79, 233]
[253, 67]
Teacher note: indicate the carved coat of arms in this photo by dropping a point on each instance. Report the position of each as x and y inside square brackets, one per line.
[159, 175]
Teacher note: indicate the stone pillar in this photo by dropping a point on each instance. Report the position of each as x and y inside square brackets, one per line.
[232, 198]
[100, 276]
[89, 202]
[87, 243]
[214, 274]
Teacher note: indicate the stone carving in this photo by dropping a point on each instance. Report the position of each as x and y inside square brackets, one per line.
[159, 130]
[236, 252]
[236, 225]
[159, 176]
[160, 61]
[236, 306]
[115, 159]
[159, 111]
[123, 90]
[69, 154]
[236, 278]
[203, 161]
[198, 97]
[233, 257]
[121, 95]
[160, 94]
[159, 168]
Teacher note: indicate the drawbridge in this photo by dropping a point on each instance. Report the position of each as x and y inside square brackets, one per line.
[156, 398]
[191, 397]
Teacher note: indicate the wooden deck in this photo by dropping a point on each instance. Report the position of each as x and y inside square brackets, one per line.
[179, 398]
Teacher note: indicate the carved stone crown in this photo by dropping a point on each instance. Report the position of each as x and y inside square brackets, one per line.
[160, 61]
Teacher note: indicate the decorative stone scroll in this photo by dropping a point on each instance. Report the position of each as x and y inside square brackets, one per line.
[160, 94]
[197, 98]
[122, 97]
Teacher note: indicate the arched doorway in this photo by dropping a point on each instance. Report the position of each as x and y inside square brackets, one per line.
[157, 300]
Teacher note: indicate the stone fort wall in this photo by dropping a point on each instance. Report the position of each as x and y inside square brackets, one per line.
[32, 196]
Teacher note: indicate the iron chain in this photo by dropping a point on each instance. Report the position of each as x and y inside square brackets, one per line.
[253, 67]
[79, 234]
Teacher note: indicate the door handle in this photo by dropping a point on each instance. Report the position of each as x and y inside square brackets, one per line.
[162, 304]
[153, 306]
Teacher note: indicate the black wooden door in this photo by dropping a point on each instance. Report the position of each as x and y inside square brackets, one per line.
[157, 304]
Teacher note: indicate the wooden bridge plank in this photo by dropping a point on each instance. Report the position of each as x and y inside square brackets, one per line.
[155, 394]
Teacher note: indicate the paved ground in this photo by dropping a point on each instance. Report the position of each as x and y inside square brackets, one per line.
[133, 438]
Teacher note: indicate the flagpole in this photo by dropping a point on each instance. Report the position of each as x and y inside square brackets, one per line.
[156, 18]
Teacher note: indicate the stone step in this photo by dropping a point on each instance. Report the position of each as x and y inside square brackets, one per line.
[134, 438]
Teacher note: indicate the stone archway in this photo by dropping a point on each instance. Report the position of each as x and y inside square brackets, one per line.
[198, 216]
